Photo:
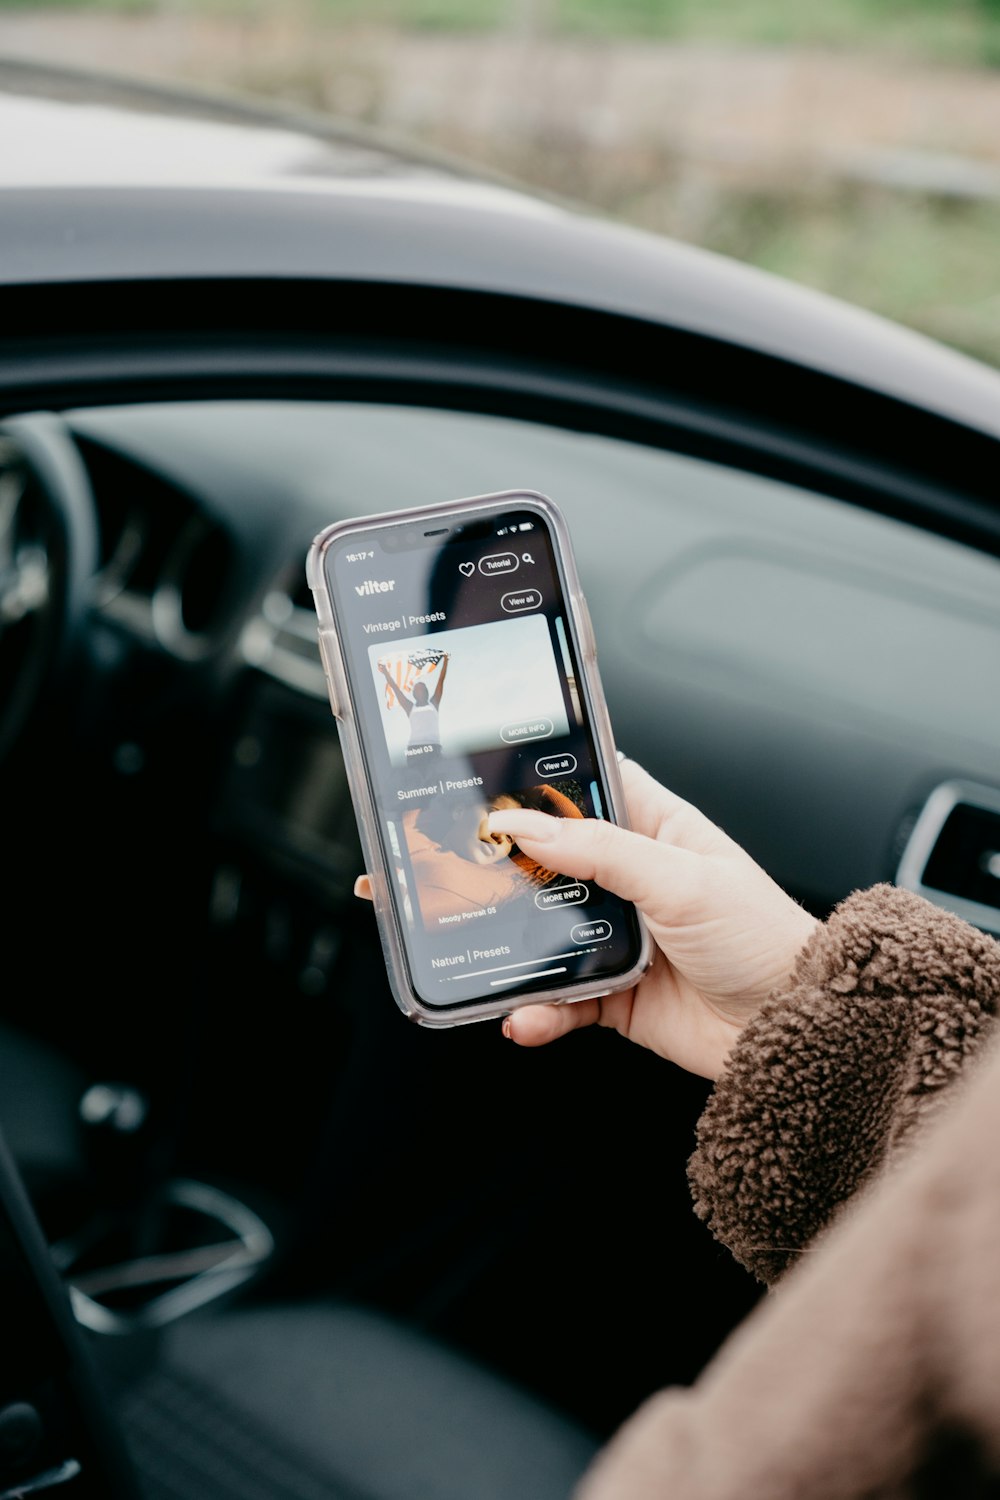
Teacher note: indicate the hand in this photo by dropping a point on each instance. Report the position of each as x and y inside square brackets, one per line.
[726, 935]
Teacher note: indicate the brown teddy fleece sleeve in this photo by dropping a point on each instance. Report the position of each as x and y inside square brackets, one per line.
[874, 1371]
[888, 1002]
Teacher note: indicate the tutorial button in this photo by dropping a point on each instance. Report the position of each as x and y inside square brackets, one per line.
[555, 896]
[520, 599]
[527, 729]
[591, 932]
[499, 562]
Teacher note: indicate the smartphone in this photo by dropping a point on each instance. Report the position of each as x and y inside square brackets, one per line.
[461, 668]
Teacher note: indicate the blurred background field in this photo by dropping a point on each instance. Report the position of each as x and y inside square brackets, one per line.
[851, 144]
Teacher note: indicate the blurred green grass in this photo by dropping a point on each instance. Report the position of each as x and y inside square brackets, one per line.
[924, 260]
[929, 263]
[942, 31]
[956, 31]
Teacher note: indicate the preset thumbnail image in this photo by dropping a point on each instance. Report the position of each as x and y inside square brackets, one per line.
[462, 871]
[463, 691]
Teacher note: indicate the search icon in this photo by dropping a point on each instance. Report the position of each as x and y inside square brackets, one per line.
[527, 557]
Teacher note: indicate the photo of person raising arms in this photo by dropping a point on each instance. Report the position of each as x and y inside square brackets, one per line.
[502, 676]
[422, 710]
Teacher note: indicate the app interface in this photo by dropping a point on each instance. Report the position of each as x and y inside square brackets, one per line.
[465, 680]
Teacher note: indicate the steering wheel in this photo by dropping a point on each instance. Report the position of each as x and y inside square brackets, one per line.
[48, 557]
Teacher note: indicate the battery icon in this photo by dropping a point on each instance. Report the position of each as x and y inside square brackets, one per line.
[526, 526]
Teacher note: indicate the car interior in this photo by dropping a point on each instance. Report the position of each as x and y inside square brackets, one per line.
[317, 1250]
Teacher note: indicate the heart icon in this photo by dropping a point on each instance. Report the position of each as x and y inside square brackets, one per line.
[467, 568]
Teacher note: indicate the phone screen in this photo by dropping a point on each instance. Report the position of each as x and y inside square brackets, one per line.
[465, 678]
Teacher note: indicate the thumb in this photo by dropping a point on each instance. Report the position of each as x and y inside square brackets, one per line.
[654, 876]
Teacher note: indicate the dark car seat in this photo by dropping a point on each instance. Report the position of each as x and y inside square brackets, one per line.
[328, 1401]
[318, 1400]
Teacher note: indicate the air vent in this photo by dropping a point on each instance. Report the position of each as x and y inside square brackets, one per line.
[281, 640]
[164, 566]
[953, 854]
[189, 592]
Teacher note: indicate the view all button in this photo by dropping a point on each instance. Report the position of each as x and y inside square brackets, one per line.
[527, 729]
[555, 765]
[591, 932]
[522, 599]
[561, 895]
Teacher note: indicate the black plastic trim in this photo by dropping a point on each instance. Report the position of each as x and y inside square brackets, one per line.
[572, 367]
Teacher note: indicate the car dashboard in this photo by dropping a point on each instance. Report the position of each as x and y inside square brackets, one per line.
[806, 671]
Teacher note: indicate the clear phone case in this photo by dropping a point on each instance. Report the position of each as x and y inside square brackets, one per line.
[343, 706]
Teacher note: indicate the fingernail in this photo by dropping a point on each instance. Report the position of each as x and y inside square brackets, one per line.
[505, 1027]
[524, 823]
